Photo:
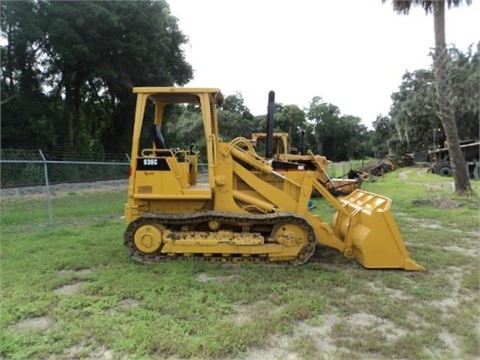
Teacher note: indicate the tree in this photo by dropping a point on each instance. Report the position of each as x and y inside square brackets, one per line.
[236, 105]
[414, 109]
[441, 61]
[353, 135]
[465, 80]
[27, 119]
[326, 119]
[184, 127]
[290, 119]
[80, 61]
[383, 127]
[234, 118]
[338, 137]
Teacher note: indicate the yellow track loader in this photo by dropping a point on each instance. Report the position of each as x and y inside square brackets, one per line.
[251, 208]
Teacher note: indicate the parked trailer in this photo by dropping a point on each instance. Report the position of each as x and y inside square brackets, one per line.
[440, 160]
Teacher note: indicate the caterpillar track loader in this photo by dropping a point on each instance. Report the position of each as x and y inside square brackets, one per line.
[251, 208]
[316, 163]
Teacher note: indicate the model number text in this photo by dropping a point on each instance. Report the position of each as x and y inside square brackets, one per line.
[150, 161]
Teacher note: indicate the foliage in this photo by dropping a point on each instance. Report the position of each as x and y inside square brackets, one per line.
[339, 137]
[184, 124]
[236, 105]
[403, 6]
[291, 119]
[413, 115]
[69, 67]
[384, 130]
[413, 109]
[234, 118]
[465, 77]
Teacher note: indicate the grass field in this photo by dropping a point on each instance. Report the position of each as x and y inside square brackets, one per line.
[71, 291]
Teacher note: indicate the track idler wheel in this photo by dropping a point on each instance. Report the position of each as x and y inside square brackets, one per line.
[289, 233]
[293, 235]
[148, 238]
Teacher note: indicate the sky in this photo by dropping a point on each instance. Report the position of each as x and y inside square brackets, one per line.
[351, 53]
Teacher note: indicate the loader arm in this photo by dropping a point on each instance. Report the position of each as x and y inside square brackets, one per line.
[363, 227]
[320, 167]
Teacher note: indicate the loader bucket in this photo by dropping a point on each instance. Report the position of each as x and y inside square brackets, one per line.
[370, 233]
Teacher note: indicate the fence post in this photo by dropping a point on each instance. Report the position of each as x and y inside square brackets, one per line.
[47, 189]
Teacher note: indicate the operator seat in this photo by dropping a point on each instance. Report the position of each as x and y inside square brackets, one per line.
[157, 137]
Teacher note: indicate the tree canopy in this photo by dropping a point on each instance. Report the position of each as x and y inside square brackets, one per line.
[69, 68]
[414, 108]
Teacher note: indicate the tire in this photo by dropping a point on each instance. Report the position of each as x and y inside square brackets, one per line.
[443, 169]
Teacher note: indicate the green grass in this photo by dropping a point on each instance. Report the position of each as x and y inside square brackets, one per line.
[26, 213]
[330, 307]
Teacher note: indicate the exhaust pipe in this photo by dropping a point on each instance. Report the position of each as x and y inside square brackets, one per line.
[270, 125]
[303, 148]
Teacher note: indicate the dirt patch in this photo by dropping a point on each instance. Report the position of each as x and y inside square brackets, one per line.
[392, 293]
[280, 347]
[202, 277]
[101, 354]
[67, 272]
[33, 324]
[277, 350]
[321, 333]
[83, 352]
[374, 323]
[451, 343]
[70, 289]
[244, 313]
[469, 252]
[127, 304]
[403, 174]
[453, 277]
[429, 224]
[439, 203]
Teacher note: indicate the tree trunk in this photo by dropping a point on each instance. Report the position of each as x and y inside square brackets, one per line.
[446, 111]
[68, 114]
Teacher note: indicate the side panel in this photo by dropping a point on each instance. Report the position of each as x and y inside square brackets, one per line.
[154, 176]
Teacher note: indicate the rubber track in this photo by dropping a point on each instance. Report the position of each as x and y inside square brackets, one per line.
[222, 217]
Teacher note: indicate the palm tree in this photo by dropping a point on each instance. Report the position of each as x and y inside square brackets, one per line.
[441, 60]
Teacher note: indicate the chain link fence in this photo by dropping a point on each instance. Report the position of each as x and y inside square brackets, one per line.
[40, 188]
[34, 168]
[33, 173]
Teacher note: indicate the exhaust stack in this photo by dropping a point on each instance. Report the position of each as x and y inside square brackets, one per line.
[270, 125]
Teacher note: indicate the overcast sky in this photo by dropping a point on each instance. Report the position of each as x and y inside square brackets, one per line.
[351, 53]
